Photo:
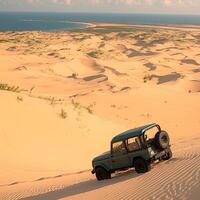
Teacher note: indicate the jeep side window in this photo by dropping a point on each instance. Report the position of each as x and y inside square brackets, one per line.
[150, 134]
[134, 144]
[118, 147]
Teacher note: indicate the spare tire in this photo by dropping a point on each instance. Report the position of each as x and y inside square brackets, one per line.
[162, 140]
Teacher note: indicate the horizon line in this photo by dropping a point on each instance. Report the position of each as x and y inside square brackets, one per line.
[88, 12]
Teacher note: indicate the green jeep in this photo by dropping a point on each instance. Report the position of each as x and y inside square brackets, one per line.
[136, 148]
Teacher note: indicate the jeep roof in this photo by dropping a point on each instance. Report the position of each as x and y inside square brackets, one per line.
[133, 132]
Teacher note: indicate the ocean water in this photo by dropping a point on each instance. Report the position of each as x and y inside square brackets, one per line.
[68, 21]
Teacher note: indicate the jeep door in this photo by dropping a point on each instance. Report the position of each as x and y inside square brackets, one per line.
[135, 148]
[120, 158]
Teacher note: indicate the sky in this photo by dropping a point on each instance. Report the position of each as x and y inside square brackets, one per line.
[108, 6]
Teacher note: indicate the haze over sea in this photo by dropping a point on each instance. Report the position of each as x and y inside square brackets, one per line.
[13, 21]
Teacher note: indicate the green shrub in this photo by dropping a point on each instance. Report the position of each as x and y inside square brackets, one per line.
[89, 109]
[30, 91]
[63, 114]
[76, 104]
[6, 87]
[20, 98]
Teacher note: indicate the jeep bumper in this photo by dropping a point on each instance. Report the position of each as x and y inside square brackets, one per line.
[160, 154]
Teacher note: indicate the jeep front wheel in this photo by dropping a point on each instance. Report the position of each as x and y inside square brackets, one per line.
[102, 174]
[141, 165]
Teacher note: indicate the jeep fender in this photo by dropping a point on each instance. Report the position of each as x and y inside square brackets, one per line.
[103, 166]
[135, 158]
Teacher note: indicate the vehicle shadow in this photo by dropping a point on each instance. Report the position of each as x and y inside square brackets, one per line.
[83, 187]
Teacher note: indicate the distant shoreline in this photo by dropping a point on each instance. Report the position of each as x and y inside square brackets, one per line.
[163, 26]
[188, 27]
[135, 24]
[54, 22]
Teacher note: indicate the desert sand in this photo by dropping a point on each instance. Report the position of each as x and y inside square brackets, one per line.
[64, 95]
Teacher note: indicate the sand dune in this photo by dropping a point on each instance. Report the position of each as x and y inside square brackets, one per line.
[44, 139]
[82, 66]
[192, 86]
[162, 182]
[64, 95]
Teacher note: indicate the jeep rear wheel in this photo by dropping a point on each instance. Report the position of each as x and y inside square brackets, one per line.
[102, 174]
[141, 165]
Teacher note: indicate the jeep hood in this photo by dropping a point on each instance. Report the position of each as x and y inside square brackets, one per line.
[103, 156]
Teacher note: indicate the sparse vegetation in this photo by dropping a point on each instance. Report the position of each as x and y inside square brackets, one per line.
[79, 106]
[10, 88]
[30, 91]
[21, 68]
[76, 104]
[63, 114]
[147, 78]
[19, 98]
[89, 109]
[74, 75]
[113, 106]
[93, 54]
[52, 101]
[7, 40]
[4, 40]
[125, 88]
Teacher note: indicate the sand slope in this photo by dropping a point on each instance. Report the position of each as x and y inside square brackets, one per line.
[42, 142]
[174, 179]
[69, 93]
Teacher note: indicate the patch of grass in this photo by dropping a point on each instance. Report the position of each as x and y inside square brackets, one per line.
[4, 40]
[52, 101]
[147, 78]
[113, 106]
[123, 34]
[6, 87]
[31, 90]
[79, 106]
[76, 104]
[7, 40]
[63, 114]
[74, 76]
[89, 109]
[93, 54]
[20, 98]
